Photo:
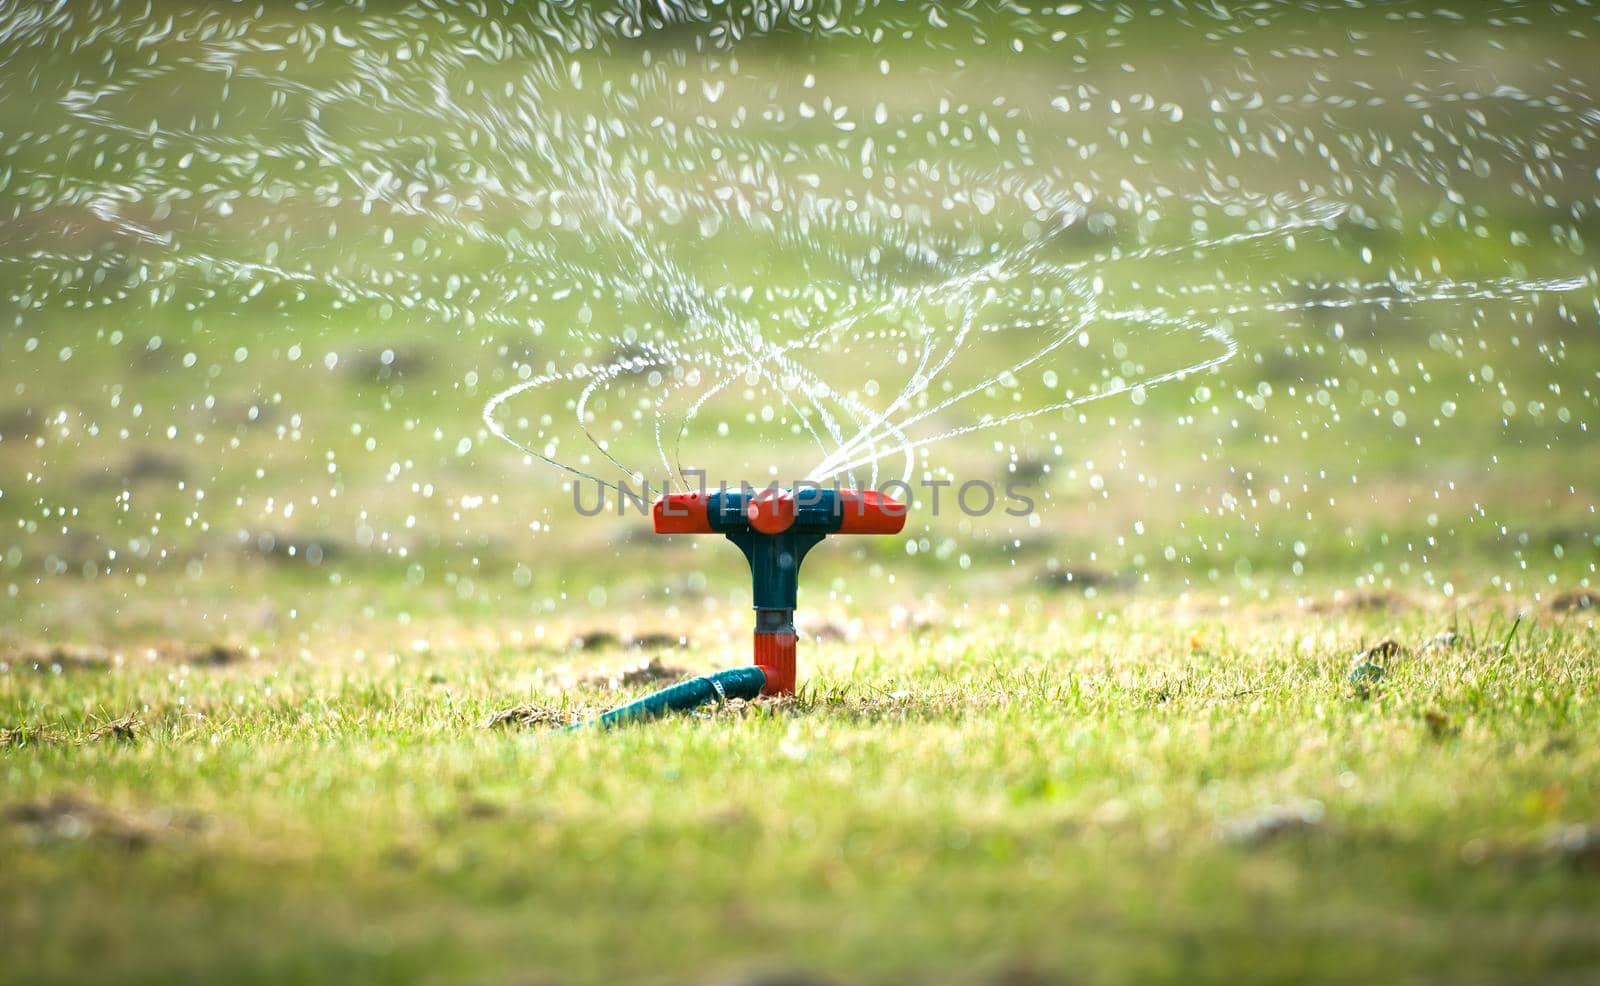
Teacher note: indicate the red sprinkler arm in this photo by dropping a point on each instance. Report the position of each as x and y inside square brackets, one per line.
[870, 512]
[775, 529]
[681, 513]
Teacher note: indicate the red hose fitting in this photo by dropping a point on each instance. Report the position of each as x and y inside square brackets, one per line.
[774, 654]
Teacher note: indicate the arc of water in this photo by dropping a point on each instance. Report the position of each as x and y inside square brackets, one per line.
[1230, 350]
[830, 466]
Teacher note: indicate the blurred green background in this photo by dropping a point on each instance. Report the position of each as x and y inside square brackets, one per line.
[269, 361]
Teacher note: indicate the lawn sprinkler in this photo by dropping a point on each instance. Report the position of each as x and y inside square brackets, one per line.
[775, 529]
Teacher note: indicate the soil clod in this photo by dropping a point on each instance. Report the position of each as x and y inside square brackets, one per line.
[123, 728]
[530, 714]
[1274, 823]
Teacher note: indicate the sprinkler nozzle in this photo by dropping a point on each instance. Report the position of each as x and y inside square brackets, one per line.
[775, 528]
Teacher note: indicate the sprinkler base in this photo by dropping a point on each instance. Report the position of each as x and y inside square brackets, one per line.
[774, 650]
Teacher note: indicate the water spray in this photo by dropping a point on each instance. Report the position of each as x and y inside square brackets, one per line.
[775, 529]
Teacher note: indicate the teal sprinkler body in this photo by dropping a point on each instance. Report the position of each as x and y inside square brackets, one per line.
[775, 529]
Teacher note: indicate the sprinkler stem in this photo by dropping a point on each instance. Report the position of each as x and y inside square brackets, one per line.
[774, 649]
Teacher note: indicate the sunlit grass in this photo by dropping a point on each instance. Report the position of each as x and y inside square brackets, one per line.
[1082, 792]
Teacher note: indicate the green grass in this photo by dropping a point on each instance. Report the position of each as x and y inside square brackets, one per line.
[248, 743]
[1069, 791]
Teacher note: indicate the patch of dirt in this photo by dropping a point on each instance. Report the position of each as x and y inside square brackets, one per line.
[25, 735]
[632, 359]
[476, 809]
[1364, 601]
[824, 631]
[60, 658]
[1577, 846]
[72, 818]
[159, 360]
[1030, 471]
[205, 654]
[1078, 578]
[772, 978]
[1274, 823]
[1574, 600]
[295, 548]
[529, 714]
[1443, 640]
[123, 728]
[1383, 652]
[1439, 724]
[651, 672]
[142, 466]
[18, 424]
[56, 659]
[594, 640]
[215, 655]
[254, 412]
[386, 362]
[657, 641]
[1021, 974]
[66, 818]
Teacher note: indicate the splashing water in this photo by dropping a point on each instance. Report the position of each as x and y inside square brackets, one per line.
[800, 242]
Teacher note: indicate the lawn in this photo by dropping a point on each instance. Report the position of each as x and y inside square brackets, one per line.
[1292, 675]
[1108, 791]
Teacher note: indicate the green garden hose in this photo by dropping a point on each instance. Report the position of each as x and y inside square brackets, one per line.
[743, 683]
